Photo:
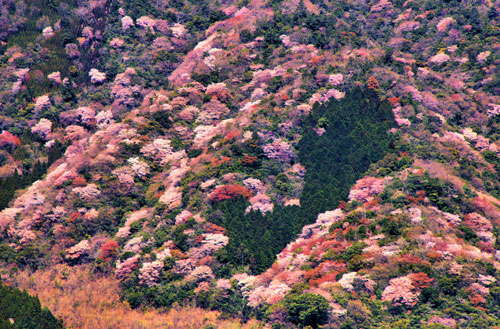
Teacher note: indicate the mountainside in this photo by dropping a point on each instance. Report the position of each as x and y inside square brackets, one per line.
[263, 164]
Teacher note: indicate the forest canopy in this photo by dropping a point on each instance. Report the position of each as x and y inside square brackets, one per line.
[19, 310]
[356, 135]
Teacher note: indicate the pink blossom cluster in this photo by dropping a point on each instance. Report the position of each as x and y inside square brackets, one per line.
[447, 322]
[125, 176]
[48, 32]
[24, 236]
[124, 268]
[7, 218]
[279, 150]
[380, 6]
[72, 50]
[189, 113]
[493, 110]
[79, 250]
[408, 26]
[163, 253]
[212, 111]
[88, 192]
[124, 79]
[322, 223]
[127, 22]
[178, 30]
[254, 184]
[96, 76]
[445, 23]
[88, 32]
[204, 133]
[439, 58]
[210, 244]
[400, 291]
[331, 93]
[183, 217]
[132, 218]
[200, 273]
[43, 129]
[367, 188]
[273, 293]
[335, 79]
[398, 117]
[287, 41]
[429, 100]
[261, 202]
[116, 42]
[104, 118]
[55, 77]
[42, 103]
[184, 266]
[135, 244]
[16, 86]
[75, 132]
[140, 168]
[414, 92]
[483, 56]
[218, 90]
[161, 151]
[146, 23]
[83, 115]
[150, 273]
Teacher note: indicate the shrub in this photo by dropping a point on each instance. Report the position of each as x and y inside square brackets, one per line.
[307, 310]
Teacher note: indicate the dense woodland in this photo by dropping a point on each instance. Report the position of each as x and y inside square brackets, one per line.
[356, 136]
[19, 310]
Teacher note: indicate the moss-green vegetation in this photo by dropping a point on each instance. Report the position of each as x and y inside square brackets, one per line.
[19, 310]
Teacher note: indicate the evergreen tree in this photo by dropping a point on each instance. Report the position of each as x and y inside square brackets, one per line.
[356, 136]
[25, 311]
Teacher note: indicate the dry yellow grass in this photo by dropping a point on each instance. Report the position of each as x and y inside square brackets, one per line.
[85, 302]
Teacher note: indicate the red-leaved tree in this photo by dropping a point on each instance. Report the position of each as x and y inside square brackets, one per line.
[109, 250]
[226, 192]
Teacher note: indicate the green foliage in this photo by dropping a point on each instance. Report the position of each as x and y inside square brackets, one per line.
[441, 194]
[449, 285]
[246, 36]
[467, 234]
[201, 23]
[356, 137]
[25, 310]
[230, 303]
[491, 179]
[354, 250]
[205, 79]
[275, 84]
[254, 238]
[157, 296]
[321, 26]
[163, 118]
[307, 309]
[193, 153]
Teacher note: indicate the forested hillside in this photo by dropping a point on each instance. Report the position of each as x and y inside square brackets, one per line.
[263, 164]
[20, 310]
